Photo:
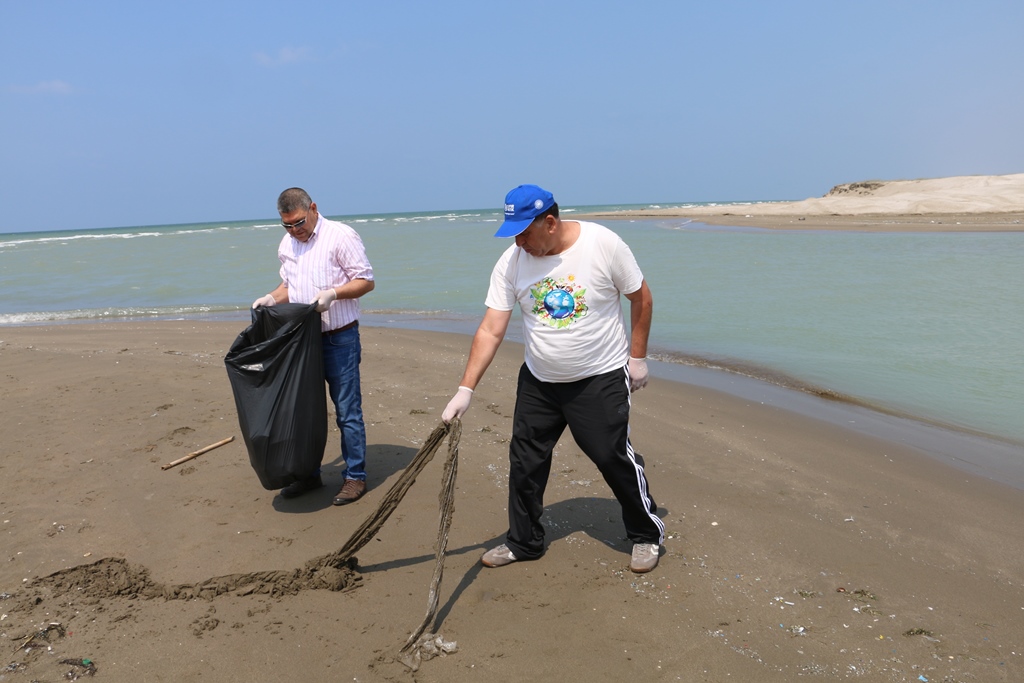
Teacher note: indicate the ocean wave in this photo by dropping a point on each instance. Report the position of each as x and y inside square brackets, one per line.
[407, 311]
[193, 311]
[74, 238]
[50, 238]
[435, 217]
[115, 313]
[409, 219]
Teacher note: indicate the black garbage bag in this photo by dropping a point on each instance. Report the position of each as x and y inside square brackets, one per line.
[276, 368]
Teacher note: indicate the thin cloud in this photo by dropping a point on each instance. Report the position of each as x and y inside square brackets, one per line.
[44, 88]
[283, 57]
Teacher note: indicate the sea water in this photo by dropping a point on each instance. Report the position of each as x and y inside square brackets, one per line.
[929, 325]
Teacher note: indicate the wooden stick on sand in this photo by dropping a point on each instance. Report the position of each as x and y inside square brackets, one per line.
[197, 453]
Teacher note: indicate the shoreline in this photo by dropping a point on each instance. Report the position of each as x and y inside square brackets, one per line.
[990, 455]
[795, 546]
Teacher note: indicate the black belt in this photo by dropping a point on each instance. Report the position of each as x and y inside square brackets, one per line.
[342, 328]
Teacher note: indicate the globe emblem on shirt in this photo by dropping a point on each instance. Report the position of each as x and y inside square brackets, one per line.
[559, 304]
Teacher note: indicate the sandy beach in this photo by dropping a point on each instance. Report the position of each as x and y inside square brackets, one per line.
[954, 204]
[795, 548]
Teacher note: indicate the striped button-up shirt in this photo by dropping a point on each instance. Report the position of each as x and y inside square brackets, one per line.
[331, 257]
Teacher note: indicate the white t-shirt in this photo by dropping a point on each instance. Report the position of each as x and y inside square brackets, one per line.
[571, 303]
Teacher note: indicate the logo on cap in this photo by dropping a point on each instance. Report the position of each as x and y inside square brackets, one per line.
[522, 205]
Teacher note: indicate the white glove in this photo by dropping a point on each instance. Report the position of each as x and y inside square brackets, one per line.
[458, 406]
[637, 374]
[265, 300]
[323, 299]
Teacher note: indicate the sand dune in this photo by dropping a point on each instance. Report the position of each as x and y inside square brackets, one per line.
[955, 195]
[960, 203]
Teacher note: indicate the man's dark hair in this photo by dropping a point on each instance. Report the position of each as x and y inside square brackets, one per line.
[552, 211]
[293, 199]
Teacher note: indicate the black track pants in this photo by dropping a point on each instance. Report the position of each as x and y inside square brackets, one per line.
[596, 410]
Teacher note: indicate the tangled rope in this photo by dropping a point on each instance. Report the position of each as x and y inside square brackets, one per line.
[418, 646]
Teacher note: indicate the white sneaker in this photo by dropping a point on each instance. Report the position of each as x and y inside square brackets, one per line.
[499, 557]
[645, 557]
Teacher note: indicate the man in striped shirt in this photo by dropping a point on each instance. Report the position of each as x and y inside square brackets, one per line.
[324, 262]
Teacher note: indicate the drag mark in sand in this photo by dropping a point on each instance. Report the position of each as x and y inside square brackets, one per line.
[335, 571]
[114, 577]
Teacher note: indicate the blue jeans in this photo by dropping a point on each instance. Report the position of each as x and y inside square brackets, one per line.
[342, 353]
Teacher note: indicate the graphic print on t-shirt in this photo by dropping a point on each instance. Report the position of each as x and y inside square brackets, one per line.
[559, 303]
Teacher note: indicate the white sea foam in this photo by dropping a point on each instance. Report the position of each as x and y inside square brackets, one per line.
[67, 238]
[104, 314]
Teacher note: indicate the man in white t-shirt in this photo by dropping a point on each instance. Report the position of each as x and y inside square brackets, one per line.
[568, 278]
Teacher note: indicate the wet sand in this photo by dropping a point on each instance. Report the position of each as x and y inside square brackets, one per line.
[797, 547]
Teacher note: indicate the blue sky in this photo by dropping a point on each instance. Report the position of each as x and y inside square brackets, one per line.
[121, 113]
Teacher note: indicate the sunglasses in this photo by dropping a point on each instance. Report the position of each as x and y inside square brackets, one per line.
[292, 226]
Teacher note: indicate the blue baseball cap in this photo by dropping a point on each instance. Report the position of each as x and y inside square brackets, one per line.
[522, 205]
